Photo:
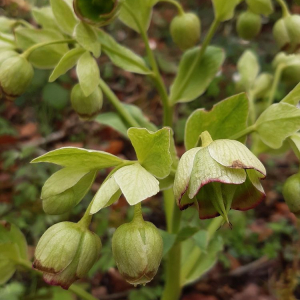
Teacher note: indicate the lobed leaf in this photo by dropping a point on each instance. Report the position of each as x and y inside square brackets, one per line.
[224, 10]
[192, 83]
[293, 97]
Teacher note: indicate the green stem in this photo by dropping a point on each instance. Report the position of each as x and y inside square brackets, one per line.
[172, 288]
[194, 256]
[138, 216]
[87, 217]
[243, 133]
[29, 51]
[118, 105]
[73, 288]
[284, 7]
[276, 80]
[177, 4]
[7, 40]
[156, 76]
[252, 112]
[192, 68]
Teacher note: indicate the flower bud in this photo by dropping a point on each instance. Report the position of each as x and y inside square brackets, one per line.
[291, 193]
[186, 30]
[86, 107]
[7, 54]
[97, 12]
[291, 64]
[248, 25]
[66, 252]
[286, 32]
[137, 249]
[16, 74]
[262, 84]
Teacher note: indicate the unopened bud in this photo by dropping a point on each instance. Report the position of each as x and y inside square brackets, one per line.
[87, 107]
[248, 25]
[97, 12]
[291, 193]
[16, 74]
[137, 249]
[186, 30]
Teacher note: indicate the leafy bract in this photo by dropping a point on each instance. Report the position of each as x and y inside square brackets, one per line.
[295, 143]
[122, 56]
[136, 14]
[293, 97]
[227, 118]
[193, 80]
[27, 37]
[224, 10]
[86, 36]
[67, 62]
[44, 16]
[136, 183]
[248, 68]
[64, 15]
[70, 157]
[152, 150]
[278, 122]
[88, 73]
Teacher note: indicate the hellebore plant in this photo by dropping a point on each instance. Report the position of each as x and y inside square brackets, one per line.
[217, 172]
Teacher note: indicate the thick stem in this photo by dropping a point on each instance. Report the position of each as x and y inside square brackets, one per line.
[204, 45]
[252, 112]
[243, 133]
[276, 80]
[156, 76]
[7, 40]
[285, 10]
[29, 51]
[118, 105]
[172, 288]
[175, 3]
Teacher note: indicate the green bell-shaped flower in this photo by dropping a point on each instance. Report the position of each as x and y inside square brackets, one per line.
[66, 252]
[97, 12]
[291, 194]
[4, 55]
[137, 249]
[290, 66]
[87, 107]
[248, 25]
[220, 175]
[16, 74]
[186, 30]
[286, 32]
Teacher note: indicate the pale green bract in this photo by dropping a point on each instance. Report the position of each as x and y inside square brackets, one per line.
[224, 10]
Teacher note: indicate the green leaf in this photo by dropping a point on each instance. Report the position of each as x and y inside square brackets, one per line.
[136, 14]
[224, 10]
[86, 36]
[205, 262]
[190, 85]
[106, 192]
[67, 62]
[168, 241]
[295, 144]
[248, 68]
[186, 233]
[293, 97]
[152, 150]
[7, 270]
[114, 120]
[122, 56]
[45, 57]
[88, 73]
[63, 180]
[44, 17]
[201, 239]
[278, 122]
[227, 118]
[64, 15]
[136, 183]
[12, 291]
[261, 7]
[70, 157]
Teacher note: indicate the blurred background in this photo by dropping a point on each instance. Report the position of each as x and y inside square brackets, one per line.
[259, 260]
